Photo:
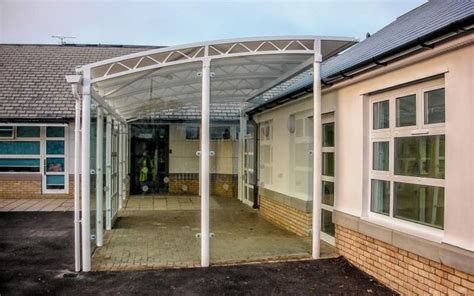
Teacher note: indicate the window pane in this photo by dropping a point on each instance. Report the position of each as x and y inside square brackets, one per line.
[380, 156]
[24, 147]
[328, 193]
[55, 182]
[380, 197]
[54, 147]
[328, 163]
[420, 156]
[326, 223]
[381, 115]
[19, 165]
[55, 132]
[220, 133]
[420, 203]
[55, 164]
[434, 106]
[192, 133]
[406, 111]
[328, 134]
[28, 132]
[6, 132]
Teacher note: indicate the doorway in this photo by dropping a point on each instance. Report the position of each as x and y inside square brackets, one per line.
[149, 171]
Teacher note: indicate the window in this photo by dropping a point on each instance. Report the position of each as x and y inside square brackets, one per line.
[6, 132]
[220, 132]
[381, 115]
[407, 168]
[28, 132]
[406, 111]
[380, 160]
[55, 159]
[434, 106]
[36, 149]
[266, 152]
[192, 133]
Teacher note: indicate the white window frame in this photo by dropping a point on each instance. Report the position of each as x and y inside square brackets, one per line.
[389, 134]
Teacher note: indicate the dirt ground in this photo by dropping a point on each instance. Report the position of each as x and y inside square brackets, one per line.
[36, 258]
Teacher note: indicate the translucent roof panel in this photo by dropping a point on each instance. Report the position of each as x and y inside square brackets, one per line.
[166, 83]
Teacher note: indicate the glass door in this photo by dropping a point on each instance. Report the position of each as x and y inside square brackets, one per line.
[248, 169]
[328, 178]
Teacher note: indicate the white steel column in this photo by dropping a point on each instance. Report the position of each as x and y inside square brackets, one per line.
[77, 186]
[108, 173]
[99, 194]
[120, 167]
[317, 149]
[204, 176]
[85, 169]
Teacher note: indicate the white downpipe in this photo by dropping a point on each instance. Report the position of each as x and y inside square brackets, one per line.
[317, 150]
[204, 186]
[77, 186]
[85, 169]
[108, 173]
[100, 178]
[120, 165]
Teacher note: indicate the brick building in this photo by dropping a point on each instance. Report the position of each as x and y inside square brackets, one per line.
[393, 146]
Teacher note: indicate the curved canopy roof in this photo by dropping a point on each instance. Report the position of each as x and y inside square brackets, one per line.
[165, 83]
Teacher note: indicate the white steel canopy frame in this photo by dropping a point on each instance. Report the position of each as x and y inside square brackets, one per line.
[165, 81]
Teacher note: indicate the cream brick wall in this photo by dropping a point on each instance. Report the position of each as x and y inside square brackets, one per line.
[400, 270]
[284, 216]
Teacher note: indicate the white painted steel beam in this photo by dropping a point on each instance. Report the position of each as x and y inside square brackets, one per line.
[77, 186]
[108, 173]
[120, 166]
[317, 151]
[204, 177]
[99, 194]
[85, 169]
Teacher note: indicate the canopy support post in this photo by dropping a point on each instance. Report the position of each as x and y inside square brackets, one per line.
[85, 169]
[77, 186]
[204, 176]
[108, 172]
[120, 165]
[317, 151]
[100, 178]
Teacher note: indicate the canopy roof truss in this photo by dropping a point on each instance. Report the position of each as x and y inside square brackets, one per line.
[162, 81]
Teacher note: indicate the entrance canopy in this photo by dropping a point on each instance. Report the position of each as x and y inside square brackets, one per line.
[204, 81]
[165, 83]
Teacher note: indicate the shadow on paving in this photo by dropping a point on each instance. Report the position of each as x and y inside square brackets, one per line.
[36, 257]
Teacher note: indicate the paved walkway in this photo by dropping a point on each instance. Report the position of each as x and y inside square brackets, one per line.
[167, 203]
[36, 205]
[166, 236]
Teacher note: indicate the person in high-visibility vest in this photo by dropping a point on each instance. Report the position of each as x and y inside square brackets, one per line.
[146, 169]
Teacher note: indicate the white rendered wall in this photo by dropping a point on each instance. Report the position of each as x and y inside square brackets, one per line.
[183, 158]
[348, 100]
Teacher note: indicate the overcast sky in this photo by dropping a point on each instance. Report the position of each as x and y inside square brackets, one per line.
[178, 22]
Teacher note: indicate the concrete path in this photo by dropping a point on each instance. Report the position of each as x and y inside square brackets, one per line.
[36, 205]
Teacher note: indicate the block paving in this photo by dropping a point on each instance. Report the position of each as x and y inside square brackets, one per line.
[156, 232]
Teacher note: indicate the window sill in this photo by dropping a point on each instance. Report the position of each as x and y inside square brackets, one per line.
[406, 227]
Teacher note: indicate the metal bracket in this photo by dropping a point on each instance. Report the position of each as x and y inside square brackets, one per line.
[211, 235]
